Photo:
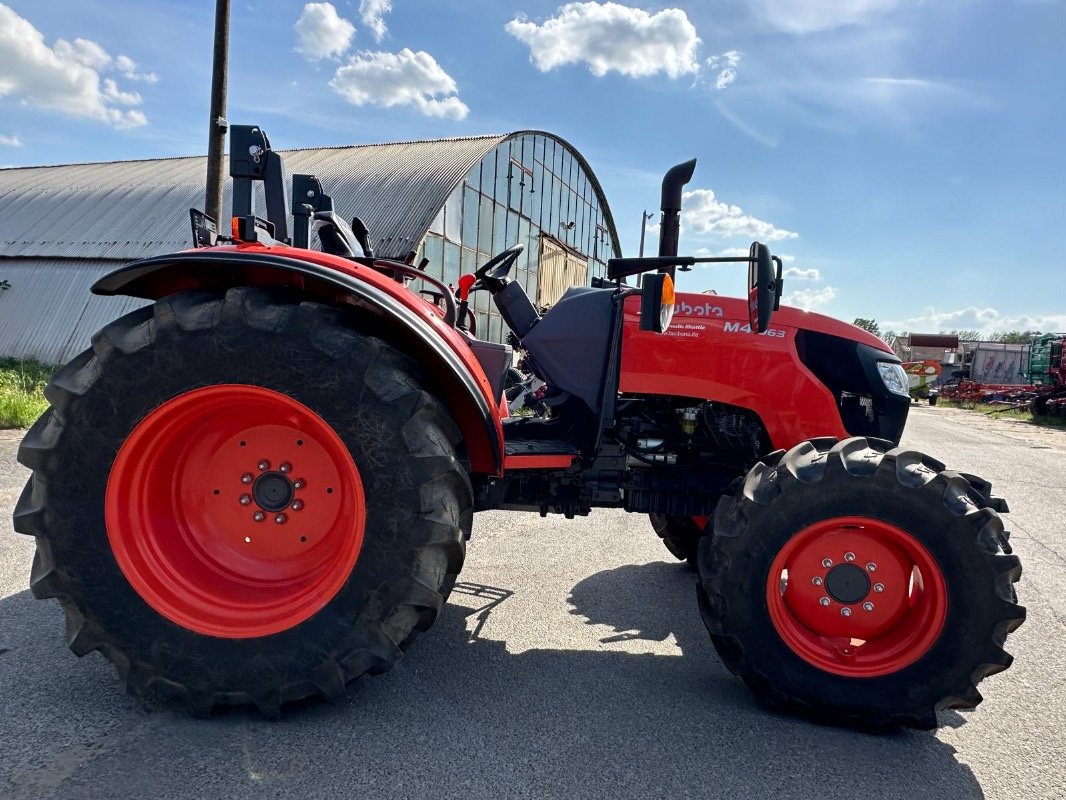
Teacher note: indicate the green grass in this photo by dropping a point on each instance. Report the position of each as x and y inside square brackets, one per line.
[1019, 414]
[22, 391]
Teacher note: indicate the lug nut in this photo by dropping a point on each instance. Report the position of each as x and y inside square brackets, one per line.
[867, 606]
[298, 483]
[297, 505]
[879, 587]
[259, 516]
[263, 465]
[845, 612]
[827, 562]
[285, 467]
[246, 477]
[871, 567]
[816, 581]
[280, 519]
[246, 499]
[849, 556]
[824, 601]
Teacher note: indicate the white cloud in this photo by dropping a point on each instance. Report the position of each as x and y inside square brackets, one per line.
[744, 126]
[372, 12]
[84, 52]
[10, 141]
[726, 66]
[128, 67]
[810, 299]
[859, 73]
[397, 79]
[894, 93]
[802, 274]
[65, 77]
[811, 16]
[612, 37]
[972, 318]
[705, 214]
[321, 32]
[115, 95]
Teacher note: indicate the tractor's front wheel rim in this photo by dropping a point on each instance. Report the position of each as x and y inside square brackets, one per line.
[857, 597]
[235, 511]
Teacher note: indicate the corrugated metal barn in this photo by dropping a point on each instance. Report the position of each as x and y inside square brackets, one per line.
[456, 201]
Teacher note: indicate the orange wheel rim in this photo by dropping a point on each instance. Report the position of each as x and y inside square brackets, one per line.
[235, 511]
[857, 597]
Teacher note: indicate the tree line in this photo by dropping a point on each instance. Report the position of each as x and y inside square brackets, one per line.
[1002, 337]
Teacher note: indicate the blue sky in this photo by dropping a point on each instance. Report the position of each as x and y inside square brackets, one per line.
[907, 157]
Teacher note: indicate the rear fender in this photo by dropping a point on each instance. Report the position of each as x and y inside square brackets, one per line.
[420, 333]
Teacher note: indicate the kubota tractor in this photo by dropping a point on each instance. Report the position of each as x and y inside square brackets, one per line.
[260, 486]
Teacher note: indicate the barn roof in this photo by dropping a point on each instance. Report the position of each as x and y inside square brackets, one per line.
[125, 210]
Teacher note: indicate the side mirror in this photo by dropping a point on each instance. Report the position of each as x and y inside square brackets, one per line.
[762, 287]
[656, 302]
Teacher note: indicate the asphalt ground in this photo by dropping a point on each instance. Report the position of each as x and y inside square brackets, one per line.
[570, 662]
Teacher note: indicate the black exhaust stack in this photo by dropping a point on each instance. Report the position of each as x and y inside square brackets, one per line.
[670, 227]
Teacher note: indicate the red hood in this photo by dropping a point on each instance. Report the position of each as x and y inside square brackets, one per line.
[696, 306]
[812, 321]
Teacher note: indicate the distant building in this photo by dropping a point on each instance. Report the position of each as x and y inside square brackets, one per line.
[940, 347]
[455, 201]
[985, 362]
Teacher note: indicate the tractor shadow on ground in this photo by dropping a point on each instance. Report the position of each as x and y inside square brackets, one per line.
[462, 715]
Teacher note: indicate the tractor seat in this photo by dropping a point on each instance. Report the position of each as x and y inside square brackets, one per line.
[336, 235]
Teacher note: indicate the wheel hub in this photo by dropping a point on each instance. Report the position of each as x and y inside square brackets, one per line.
[847, 583]
[273, 491]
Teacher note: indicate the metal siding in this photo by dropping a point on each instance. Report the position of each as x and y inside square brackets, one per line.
[62, 227]
[48, 313]
[995, 362]
[135, 209]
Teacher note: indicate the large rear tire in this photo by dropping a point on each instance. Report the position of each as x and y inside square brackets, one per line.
[240, 497]
[858, 583]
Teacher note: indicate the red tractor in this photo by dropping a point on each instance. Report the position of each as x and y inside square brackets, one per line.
[260, 486]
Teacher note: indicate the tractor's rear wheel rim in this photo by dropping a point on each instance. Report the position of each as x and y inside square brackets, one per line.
[235, 511]
[857, 597]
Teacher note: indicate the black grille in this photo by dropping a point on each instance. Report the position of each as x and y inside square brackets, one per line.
[849, 371]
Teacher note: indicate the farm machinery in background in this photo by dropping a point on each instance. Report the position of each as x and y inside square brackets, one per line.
[1043, 390]
[922, 375]
[260, 486]
[1047, 371]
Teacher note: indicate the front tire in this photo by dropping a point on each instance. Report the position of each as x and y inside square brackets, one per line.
[858, 583]
[680, 535]
[240, 497]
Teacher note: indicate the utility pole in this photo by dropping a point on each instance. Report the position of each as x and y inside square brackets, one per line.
[216, 137]
[644, 217]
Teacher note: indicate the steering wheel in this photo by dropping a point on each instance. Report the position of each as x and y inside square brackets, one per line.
[493, 272]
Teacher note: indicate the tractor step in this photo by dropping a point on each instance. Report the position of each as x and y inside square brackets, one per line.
[540, 447]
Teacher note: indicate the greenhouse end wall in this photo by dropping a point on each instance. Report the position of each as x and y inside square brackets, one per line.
[531, 189]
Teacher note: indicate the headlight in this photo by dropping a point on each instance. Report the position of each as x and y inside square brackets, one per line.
[894, 378]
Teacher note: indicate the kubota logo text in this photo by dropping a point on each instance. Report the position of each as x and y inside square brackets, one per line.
[705, 310]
